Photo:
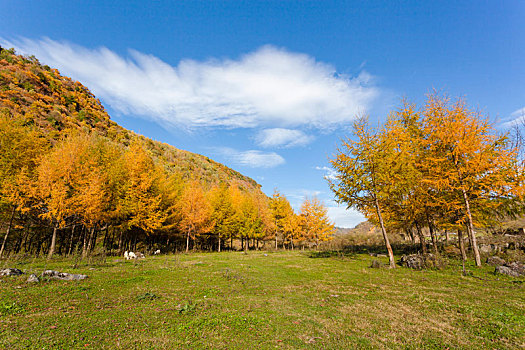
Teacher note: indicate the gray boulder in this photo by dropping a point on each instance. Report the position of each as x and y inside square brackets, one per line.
[63, 275]
[514, 269]
[375, 264]
[418, 261]
[495, 261]
[485, 248]
[33, 279]
[11, 272]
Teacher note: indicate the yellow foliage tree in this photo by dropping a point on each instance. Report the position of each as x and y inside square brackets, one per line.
[195, 212]
[316, 224]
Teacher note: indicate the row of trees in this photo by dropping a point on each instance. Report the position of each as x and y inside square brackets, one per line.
[442, 166]
[63, 195]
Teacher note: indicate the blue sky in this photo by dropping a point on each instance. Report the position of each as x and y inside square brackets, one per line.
[269, 87]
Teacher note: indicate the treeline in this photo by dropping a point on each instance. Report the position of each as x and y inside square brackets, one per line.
[441, 167]
[69, 195]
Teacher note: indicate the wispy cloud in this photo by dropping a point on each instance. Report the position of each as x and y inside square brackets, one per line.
[518, 115]
[297, 196]
[286, 138]
[270, 86]
[330, 174]
[516, 118]
[252, 158]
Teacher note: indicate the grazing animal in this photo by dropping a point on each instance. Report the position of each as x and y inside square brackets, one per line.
[157, 252]
[132, 255]
[126, 255]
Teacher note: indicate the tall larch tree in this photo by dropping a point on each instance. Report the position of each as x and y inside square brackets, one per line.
[195, 212]
[317, 225]
[363, 175]
[467, 159]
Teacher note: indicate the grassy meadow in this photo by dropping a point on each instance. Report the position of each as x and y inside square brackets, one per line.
[265, 300]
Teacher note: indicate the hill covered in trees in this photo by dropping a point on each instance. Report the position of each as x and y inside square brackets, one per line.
[39, 96]
[73, 180]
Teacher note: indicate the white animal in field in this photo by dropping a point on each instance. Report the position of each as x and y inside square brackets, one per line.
[132, 255]
[126, 255]
[157, 252]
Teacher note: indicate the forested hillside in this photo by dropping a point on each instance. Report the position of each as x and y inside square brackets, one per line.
[74, 181]
[37, 95]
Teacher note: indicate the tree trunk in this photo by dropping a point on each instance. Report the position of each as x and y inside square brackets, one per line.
[275, 240]
[8, 230]
[188, 241]
[53, 242]
[432, 235]
[471, 229]
[219, 248]
[23, 238]
[462, 246]
[89, 244]
[246, 245]
[71, 240]
[447, 237]
[383, 230]
[120, 241]
[421, 238]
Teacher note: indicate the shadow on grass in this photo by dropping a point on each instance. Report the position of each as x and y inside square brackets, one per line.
[353, 250]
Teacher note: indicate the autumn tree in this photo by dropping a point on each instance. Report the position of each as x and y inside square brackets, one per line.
[19, 149]
[467, 159]
[195, 212]
[143, 199]
[363, 179]
[222, 213]
[316, 224]
[280, 209]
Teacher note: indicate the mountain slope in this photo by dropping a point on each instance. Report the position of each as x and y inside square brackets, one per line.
[38, 95]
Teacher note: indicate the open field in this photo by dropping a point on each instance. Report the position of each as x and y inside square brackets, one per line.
[231, 300]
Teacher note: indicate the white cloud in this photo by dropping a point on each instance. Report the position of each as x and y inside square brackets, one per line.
[297, 196]
[252, 158]
[516, 118]
[347, 218]
[330, 174]
[279, 137]
[270, 86]
[518, 115]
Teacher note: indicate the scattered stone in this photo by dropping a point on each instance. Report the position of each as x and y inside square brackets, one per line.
[381, 255]
[514, 269]
[485, 248]
[33, 279]
[11, 272]
[418, 261]
[495, 261]
[63, 275]
[375, 264]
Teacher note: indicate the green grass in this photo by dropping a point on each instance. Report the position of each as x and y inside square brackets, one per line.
[287, 300]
